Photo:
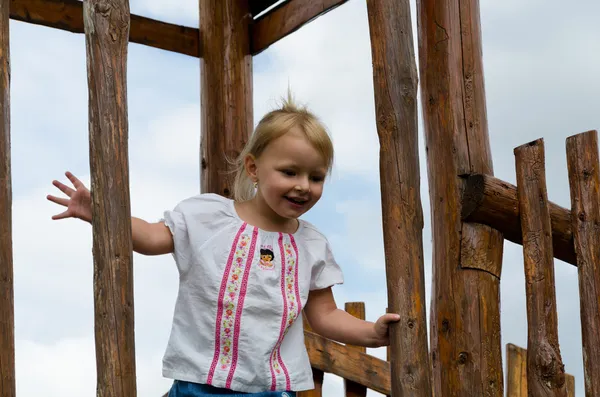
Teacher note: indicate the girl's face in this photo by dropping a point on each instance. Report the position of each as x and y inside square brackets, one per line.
[290, 174]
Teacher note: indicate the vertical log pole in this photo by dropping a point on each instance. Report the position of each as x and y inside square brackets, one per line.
[516, 380]
[584, 179]
[107, 32]
[226, 89]
[467, 258]
[516, 368]
[395, 82]
[7, 313]
[352, 389]
[545, 370]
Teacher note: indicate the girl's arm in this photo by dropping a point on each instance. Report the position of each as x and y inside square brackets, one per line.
[148, 238]
[327, 320]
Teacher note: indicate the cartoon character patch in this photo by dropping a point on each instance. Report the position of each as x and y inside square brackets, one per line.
[266, 257]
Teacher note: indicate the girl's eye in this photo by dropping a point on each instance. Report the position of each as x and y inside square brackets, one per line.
[289, 172]
[318, 179]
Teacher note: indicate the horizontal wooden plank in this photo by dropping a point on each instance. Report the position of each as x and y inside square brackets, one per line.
[274, 25]
[348, 363]
[493, 202]
[68, 15]
[286, 19]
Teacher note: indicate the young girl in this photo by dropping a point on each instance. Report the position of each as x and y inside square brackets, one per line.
[237, 327]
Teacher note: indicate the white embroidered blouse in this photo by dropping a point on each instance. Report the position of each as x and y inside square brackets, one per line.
[238, 316]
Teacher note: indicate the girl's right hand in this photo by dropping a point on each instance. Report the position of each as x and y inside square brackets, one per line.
[78, 203]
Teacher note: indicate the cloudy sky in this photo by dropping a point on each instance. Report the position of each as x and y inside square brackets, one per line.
[542, 80]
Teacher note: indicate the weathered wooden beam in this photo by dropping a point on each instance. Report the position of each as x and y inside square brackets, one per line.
[353, 389]
[395, 83]
[106, 32]
[584, 180]
[493, 202]
[338, 359]
[516, 381]
[7, 311]
[516, 371]
[268, 28]
[226, 95]
[466, 349]
[286, 19]
[545, 370]
[68, 15]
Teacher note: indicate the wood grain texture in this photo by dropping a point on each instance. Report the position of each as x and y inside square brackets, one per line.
[584, 180]
[7, 313]
[545, 370]
[286, 19]
[338, 359]
[465, 344]
[516, 381]
[226, 95]
[493, 202]
[395, 84]
[68, 15]
[352, 389]
[516, 371]
[106, 32]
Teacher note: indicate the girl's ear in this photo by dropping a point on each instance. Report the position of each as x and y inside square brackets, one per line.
[251, 167]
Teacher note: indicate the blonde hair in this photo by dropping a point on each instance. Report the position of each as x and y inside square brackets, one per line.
[272, 126]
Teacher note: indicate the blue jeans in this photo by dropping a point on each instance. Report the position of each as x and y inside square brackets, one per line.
[189, 389]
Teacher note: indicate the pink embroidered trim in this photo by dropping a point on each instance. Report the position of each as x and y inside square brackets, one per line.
[238, 316]
[227, 302]
[291, 305]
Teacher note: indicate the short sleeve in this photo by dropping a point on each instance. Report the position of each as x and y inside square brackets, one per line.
[192, 223]
[175, 221]
[326, 272]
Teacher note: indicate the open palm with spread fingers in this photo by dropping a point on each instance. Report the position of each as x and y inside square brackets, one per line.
[78, 203]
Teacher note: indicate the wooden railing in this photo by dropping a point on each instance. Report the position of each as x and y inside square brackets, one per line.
[524, 215]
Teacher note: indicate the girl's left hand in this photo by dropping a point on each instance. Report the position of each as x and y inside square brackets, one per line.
[381, 328]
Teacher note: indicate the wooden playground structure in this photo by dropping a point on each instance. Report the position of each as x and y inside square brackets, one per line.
[472, 212]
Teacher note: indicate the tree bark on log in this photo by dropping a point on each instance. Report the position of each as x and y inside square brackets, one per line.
[465, 308]
[516, 381]
[493, 202]
[226, 97]
[107, 32]
[395, 82]
[545, 370]
[7, 311]
[584, 179]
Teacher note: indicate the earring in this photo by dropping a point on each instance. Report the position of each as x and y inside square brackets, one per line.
[255, 184]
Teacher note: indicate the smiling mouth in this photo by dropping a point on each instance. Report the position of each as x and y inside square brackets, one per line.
[296, 201]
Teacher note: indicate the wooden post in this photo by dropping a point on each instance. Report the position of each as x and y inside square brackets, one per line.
[545, 370]
[584, 179]
[516, 381]
[516, 371]
[226, 84]
[107, 32]
[352, 389]
[395, 83]
[467, 258]
[7, 313]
